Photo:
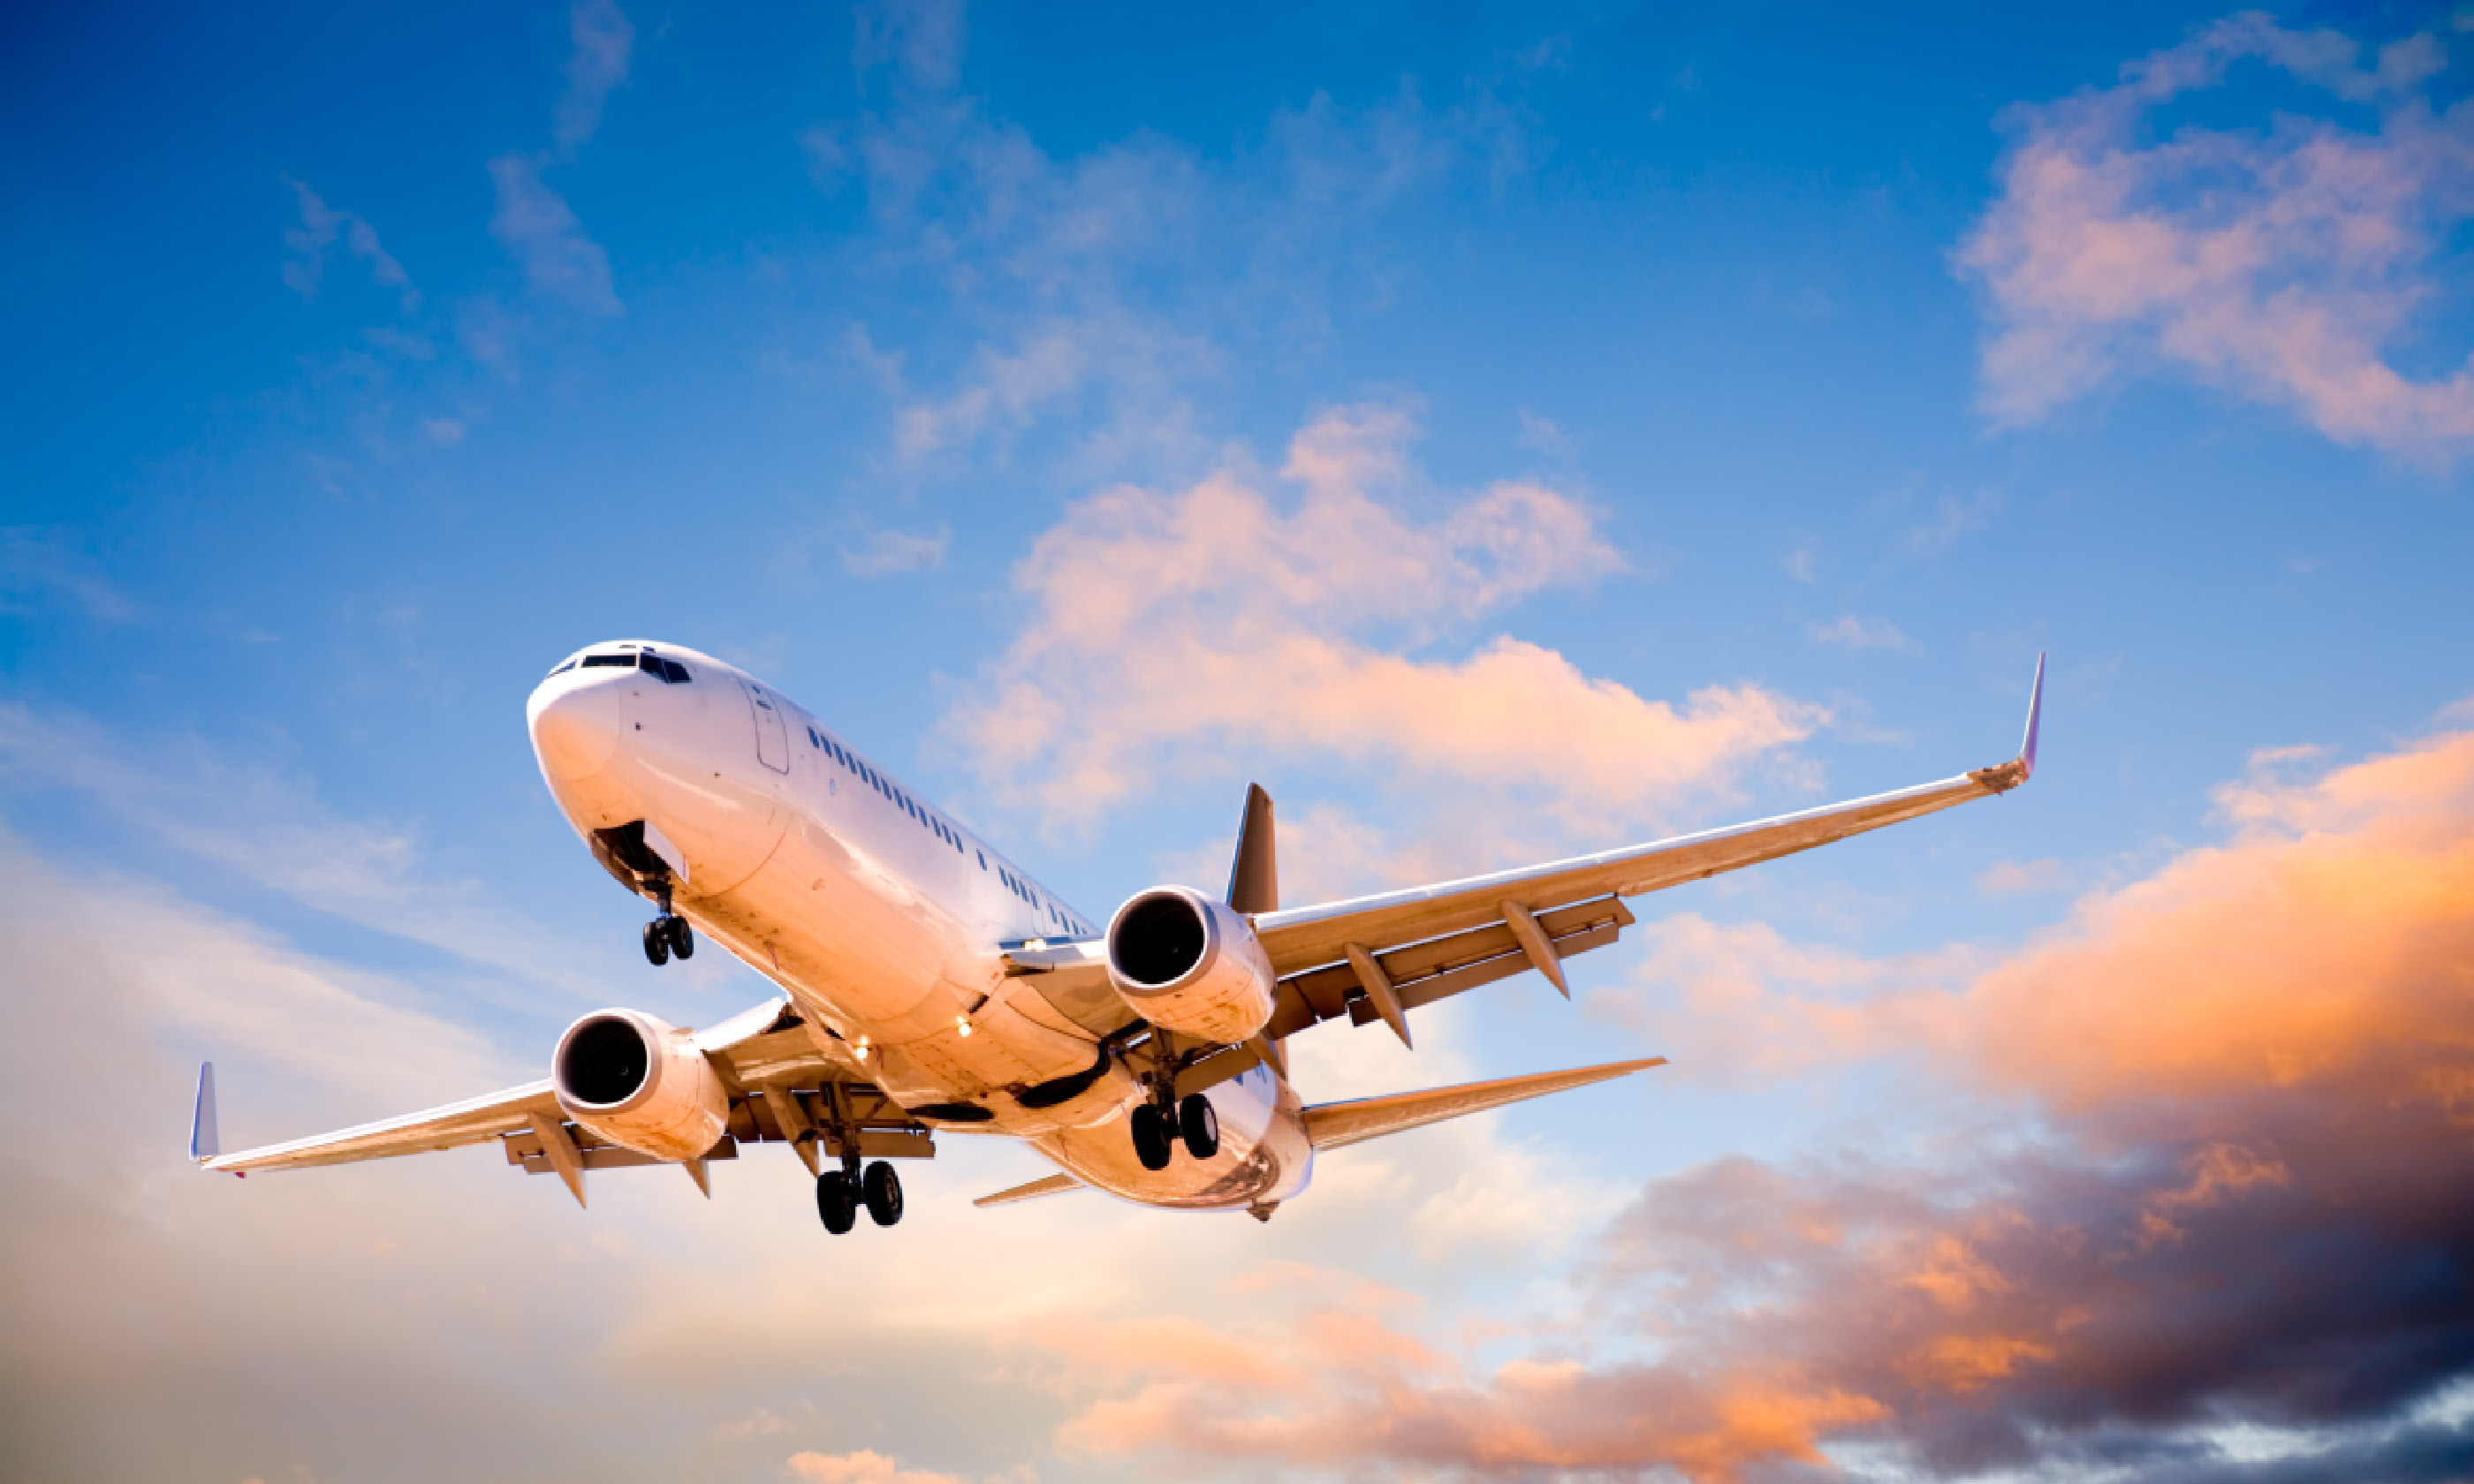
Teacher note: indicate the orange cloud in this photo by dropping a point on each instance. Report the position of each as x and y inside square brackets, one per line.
[2248, 1196]
[865, 1467]
[1176, 631]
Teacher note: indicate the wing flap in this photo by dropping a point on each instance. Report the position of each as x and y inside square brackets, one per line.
[1336, 1125]
[1423, 972]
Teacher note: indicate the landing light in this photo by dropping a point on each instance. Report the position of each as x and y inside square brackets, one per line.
[962, 1025]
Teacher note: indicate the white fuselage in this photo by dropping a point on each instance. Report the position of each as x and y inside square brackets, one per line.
[884, 919]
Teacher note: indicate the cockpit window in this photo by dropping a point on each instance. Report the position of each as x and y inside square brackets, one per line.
[563, 669]
[612, 661]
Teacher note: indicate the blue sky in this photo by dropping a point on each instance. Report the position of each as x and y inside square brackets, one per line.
[1716, 412]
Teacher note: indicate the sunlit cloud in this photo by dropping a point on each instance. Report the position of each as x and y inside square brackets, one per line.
[2288, 261]
[1171, 631]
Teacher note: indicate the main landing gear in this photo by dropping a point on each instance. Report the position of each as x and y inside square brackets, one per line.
[1158, 1130]
[841, 1192]
[668, 934]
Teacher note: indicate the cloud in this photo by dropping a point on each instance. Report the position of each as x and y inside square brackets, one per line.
[321, 226]
[603, 40]
[2226, 1242]
[2287, 261]
[1104, 289]
[2007, 878]
[865, 1467]
[42, 568]
[1545, 436]
[1854, 632]
[896, 551]
[923, 39]
[536, 224]
[531, 220]
[265, 829]
[1171, 630]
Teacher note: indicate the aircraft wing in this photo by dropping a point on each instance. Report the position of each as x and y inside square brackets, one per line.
[777, 1075]
[1375, 957]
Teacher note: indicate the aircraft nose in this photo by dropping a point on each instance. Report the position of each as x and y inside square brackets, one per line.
[575, 727]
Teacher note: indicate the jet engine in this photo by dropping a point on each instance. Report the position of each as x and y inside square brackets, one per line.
[1190, 964]
[639, 1082]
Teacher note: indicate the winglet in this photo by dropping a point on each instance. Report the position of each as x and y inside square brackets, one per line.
[206, 1140]
[2003, 778]
[2036, 715]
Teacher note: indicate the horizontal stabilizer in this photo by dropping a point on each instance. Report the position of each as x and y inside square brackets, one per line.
[1331, 1125]
[1051, 1184]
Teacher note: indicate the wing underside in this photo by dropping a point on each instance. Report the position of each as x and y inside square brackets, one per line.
[784, 1088]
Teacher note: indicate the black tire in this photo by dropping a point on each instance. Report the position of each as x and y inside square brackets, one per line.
[1152, 1141]
[682, 937]
[1200, 1125]
[881, 1188]
[835, 1206]
[657, 942]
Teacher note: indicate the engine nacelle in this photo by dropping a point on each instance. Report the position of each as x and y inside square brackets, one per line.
[639, 1082]
[1190, 964]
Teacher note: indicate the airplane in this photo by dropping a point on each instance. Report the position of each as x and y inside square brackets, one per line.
[929, 986]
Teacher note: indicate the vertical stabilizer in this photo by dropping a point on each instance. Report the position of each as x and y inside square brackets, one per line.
[206, 1140]
[1254, 876]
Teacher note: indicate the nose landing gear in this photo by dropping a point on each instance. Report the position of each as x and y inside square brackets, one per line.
[668, 935]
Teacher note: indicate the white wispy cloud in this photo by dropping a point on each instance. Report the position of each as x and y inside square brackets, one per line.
[268, 829]
[886, 552]
[321, 228]
[1856, 633]
[538, 228]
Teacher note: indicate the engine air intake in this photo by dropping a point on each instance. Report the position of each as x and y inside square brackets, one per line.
[603, 1062]
[1158, 938]
[639, 1082]
[1188, 964]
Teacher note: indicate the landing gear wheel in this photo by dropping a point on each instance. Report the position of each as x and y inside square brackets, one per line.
[881, 1189]
[682, 937]
[1200, 1125]
[657, 942]
[835, 1206]
[1151, 1137]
